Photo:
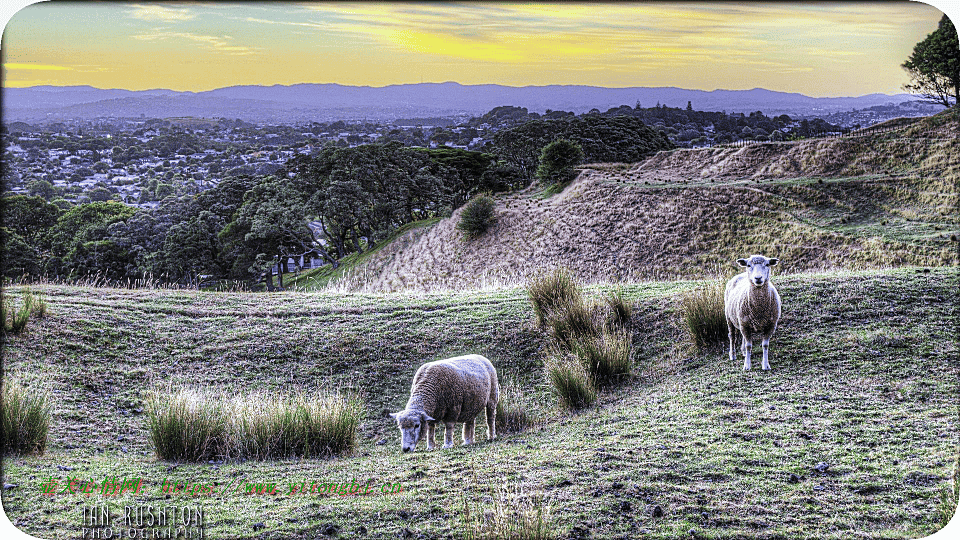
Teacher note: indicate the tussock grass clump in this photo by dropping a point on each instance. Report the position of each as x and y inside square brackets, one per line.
[15, 318]
[187, 425]
[477, 217]
[297, 425]
[605, 356]
[513, 516]
[572, 325]
[595, 336]
[571, 382]
[512, 414]
[549, 293]
[620, 312]
[190, 425]
[24, 418]
[703, 315]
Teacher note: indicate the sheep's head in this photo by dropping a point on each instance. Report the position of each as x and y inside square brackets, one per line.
[758, 269]
[413, 427]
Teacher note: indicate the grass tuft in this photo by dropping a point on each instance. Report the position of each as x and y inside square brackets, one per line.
[192, 426]
[24, 419]
[570, 381]
[15, 319]
[606, 356]
[703, 315]
[513, 516]
[550, 292]
[620, 312]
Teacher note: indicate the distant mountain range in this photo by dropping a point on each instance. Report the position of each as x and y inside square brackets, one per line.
[324, 102]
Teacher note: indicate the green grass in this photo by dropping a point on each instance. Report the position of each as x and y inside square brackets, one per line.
[14, 318]
[864, 370]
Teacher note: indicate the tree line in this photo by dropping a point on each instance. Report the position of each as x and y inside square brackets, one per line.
[333, 203]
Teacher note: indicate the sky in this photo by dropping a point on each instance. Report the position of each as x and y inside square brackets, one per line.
[821, 49]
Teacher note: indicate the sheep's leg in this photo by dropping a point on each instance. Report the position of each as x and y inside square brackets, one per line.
[747, 349]
[448, 435]
[733, 355]
[766, 353]
[491, 421]
[468, 430]
[431, 435]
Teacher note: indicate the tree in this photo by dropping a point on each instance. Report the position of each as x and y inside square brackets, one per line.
[934, 66]
[557, 162]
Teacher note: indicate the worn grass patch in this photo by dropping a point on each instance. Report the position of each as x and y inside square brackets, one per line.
[852, 434]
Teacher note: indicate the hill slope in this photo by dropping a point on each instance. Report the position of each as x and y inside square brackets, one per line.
[885, 199]
[863, 382]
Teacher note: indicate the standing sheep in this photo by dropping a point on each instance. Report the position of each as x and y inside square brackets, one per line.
[449, 391]
[752, 306]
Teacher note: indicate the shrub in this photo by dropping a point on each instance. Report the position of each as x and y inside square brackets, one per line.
[192, 426]
[513, 516]
[477, 217]
[704, 316]
[24, 418]
[551, 293]
[511, 413]
[557, 161]
[571, 382]
[605, 356]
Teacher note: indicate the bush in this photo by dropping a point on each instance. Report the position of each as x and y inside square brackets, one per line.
[551, 293]
[477, 217]
[24, 419]
[571, 382]
[557, 161]
[511, 412]
[704, 316]
[514, 516]
[191, 426]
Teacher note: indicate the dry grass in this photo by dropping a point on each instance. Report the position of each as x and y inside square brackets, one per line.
[703, 315]
[818, 205]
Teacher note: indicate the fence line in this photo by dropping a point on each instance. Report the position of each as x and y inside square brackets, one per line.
[848, 132]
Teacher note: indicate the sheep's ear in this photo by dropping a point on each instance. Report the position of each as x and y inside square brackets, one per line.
[742, 262]
[428, 418]
[773, 262]
[394, 415]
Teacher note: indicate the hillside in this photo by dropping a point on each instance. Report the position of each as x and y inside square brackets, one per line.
[871, 201]
[853, 433]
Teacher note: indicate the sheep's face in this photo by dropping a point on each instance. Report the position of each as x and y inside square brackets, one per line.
[413, 427]
[758, 269]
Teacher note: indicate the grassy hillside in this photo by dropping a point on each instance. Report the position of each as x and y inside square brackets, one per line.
[853, 433]
[875, 201]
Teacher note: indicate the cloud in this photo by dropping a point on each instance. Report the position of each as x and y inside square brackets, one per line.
[160, 13]
[214, 43]
[35, 67]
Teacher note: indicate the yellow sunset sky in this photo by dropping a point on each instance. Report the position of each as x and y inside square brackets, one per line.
[817, 49]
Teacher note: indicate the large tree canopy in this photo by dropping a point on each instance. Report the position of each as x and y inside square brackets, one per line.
[934, 66]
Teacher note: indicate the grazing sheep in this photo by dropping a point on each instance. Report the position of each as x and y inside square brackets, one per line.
[752, 306]
[449, 391]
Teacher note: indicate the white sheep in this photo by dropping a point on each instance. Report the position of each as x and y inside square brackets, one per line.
[449, 391]
[752, 306]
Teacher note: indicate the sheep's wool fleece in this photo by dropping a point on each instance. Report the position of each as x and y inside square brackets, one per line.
[455, 389]
[755, 310]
